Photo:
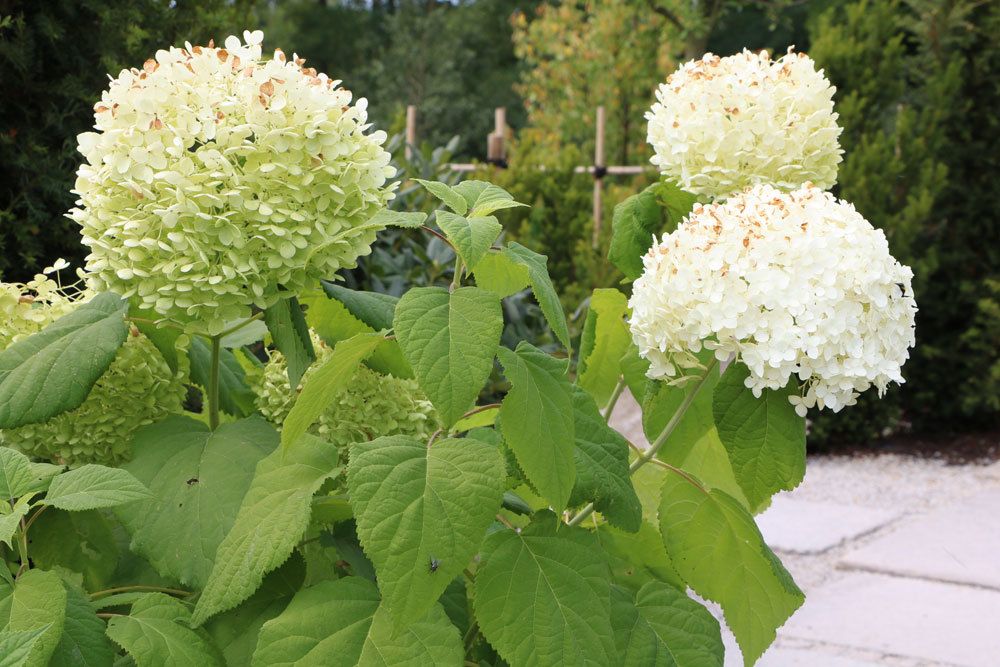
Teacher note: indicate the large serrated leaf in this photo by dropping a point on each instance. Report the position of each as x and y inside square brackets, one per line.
[290, 334]
[542, 596]
[656, 210]
[660, 626]
[765, 439]
[472, 236]
[602, 474]
[93, 486]
[81, 542]
[604, 342]
[498, 273]
[52, 371]
[15, 474]
[340, 624]
[16, 646]
[450, 340]
[157, 633]
[198, 479]
[373, 308]
[484, 198]
[325, 383]
[718, 550]
[537, 422]
[37, 601]
[271, 521]
[638, 558]
[83, 642]
[544, 290]
[455, 201]
[422, 512]
[390, 218]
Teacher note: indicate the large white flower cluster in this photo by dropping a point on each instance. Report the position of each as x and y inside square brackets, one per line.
[217, 179]
[722, 124]
[792, 284]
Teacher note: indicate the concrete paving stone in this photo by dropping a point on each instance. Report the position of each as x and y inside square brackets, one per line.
[809, 527]
[958, 543]
[813, 657]
[932, 621]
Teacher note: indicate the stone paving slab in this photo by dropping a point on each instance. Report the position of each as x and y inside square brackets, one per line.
[809, 527]
[958, 543]
[933, 621]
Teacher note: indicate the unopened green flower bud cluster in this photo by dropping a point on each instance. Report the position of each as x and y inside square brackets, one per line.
[138, 389]
[371, 406]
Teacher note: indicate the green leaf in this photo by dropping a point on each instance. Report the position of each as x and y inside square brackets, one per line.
[83, 642]
[542, 595]
[541, 285]
[605, 340]
[325, 383]
[717, 549]
[390, 218]
[472, 236]
[38, 600]
[660, 626]
[765, 439]
[16, 646]
[455, 201]
[484, 198]
[639, 557]
[81, 542]
[158, 634]
[333, 322]
[694, 444]
[450, 340]
[16, 476]
[235, 396]
[290, 334]
[248, 334]
[198, 478]
[236, 631]
[10, 522]
[422, 512]
[52, 371]
[163, 338]
[373, 308]
[635, 221]
[486, 417]
[340, 623]
[271, 521]
[498, 273]
[536, 418]
[95, 486]
[602, 474]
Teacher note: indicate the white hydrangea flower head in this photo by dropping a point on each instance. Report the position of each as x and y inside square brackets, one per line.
[217, 178]
[137, 389]
[720, 125]
[790, 284]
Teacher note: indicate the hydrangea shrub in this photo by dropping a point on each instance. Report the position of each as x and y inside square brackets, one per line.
[346, 494]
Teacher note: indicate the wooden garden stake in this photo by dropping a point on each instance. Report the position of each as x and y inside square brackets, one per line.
[411, 130]
[599, 172]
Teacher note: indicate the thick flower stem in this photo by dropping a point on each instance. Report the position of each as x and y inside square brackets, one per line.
[615, 395]
[648, 455]
[213, 383]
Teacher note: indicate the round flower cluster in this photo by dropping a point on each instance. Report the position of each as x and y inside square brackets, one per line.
[722, 124]
[217, 178]
[791, 284]
[137, 389]
[371, 406]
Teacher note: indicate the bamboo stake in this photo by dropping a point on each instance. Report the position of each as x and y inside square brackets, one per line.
[599, 172]
[411, 131]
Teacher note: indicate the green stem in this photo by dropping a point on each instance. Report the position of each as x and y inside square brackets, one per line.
[647, 455]
[22, 547]
[456, 282]
[213, 383]
[619, 388]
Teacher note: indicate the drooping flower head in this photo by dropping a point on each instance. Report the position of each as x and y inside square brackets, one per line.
[371, 406]
[722, 124]
[217, 178]
[137, 389]
[793, 284]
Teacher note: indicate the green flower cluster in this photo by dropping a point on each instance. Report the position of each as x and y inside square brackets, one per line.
[138, 389]
[373, 404]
